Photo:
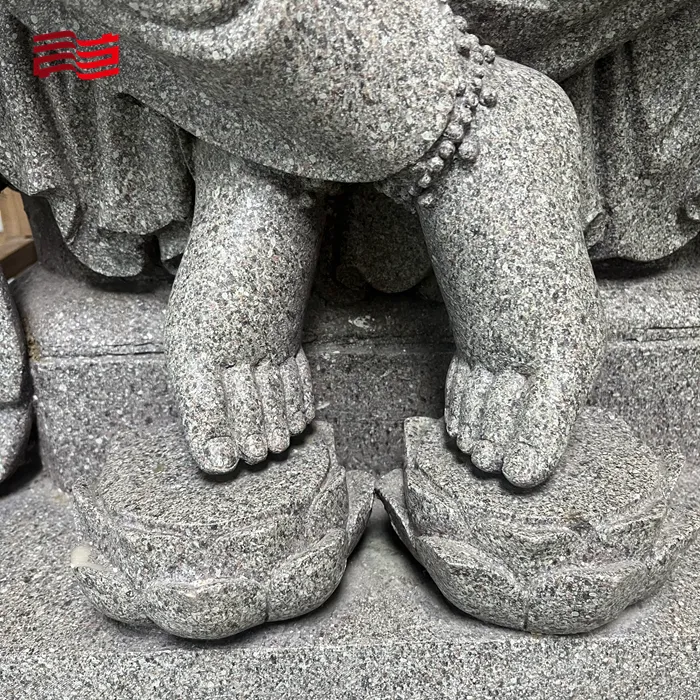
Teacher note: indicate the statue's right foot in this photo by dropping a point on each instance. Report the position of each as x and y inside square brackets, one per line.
[243, 410]
[235, 316]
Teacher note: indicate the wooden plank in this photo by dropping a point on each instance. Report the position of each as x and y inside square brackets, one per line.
[15, 259]
[14, 220]
[17, 251]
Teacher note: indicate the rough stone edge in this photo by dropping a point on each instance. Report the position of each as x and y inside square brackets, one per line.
[115, 595]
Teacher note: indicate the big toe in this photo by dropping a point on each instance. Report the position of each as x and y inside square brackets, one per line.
[203, 413]
[220, 456]
[542, 430]
[526, 468]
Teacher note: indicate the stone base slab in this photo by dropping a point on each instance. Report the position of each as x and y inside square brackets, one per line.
[386, 633]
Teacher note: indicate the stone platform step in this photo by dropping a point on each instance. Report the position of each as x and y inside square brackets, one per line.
[386, 633]
[98, 366]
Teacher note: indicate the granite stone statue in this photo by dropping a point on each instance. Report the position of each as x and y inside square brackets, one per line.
[235, 357]
[215, 151]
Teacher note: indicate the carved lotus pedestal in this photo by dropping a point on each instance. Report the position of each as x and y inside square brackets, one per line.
[163, 544]
[568, 557]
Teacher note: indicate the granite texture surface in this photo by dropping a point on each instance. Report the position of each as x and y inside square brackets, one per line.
[324, 91]
[371, 229]
[641, 142]
[633, 71]
[412, 92]
[112, 195]
[234, 323]
[202, 558]
[15, 404]
[639, 130]
[97, 364]
[386, 632]
[561, 39]
[603, 533]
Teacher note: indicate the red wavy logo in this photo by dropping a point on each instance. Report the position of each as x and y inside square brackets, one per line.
[88, 59]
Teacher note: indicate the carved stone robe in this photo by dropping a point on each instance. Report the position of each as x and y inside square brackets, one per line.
[328, 90]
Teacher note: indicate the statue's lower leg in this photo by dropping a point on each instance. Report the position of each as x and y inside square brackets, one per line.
[236, 312]
[163, 542]
[506, 240]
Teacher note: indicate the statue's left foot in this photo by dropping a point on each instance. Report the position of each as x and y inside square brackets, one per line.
[506, 240]
[511, 422]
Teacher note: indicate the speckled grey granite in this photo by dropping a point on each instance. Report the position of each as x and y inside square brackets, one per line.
[371, 230]
[632, 71]
[374, 364]
[221, 73]
[641, 143]
[235, 315]
[117, 340]
[233, 334]
[15, 405]
[562, 38]
[603, 533]
[324, 91]
[517, 281]
[386, 632]
[111, 171]
[159, 542]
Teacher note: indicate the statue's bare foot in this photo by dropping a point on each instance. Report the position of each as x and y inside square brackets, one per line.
[514, 421]
[507, 245]
[236, 311]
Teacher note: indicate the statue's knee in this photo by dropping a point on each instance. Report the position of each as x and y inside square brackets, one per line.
[531, 104]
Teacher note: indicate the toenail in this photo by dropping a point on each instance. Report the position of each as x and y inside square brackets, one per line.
[464, 442]
[221, 456]
[255, 447]
[279, 441]
[297, 425]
